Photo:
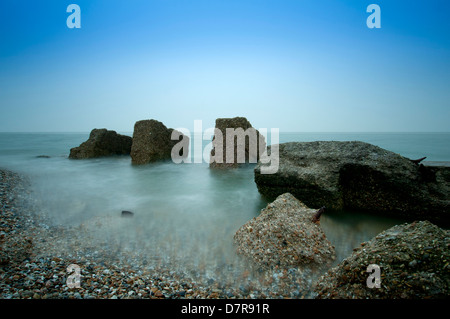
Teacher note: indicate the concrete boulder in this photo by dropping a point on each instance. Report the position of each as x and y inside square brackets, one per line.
[152, 142]
[413, 260]
[358, 176]
[246, 147]
[102, 142]
[285, 235]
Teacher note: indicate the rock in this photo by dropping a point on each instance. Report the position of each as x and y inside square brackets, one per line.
[101, 143]
[285, 235]
[4, 259]
[251, 151]
[152, 142]
[126, 213]
[360, 176]
[405, 272]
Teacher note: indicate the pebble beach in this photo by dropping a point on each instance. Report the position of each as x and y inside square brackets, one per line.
[35, 256]
[43, 260]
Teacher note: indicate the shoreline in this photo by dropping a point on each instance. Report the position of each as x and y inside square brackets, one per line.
[35, 256]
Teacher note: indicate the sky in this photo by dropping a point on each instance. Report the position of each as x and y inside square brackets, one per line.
[299, 66]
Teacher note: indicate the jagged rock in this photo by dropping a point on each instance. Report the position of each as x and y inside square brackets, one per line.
[360, 176]
[101, 143]
[413, 259]
[152, 142]
[285, 235]
[244, 132]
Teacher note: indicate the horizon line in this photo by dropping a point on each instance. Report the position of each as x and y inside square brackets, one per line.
[197, 132]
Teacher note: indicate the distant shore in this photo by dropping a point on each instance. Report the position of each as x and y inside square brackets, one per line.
[436, 163]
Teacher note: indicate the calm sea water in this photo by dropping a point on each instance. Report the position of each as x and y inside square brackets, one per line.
[184, 212]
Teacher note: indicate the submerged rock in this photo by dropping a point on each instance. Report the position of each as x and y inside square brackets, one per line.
[102, 142]
[414, 264]
[360, 176]
[127, 213]
[246, 141]
[152, 142]
[285, 235]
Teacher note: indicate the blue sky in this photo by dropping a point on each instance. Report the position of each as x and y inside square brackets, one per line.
[309, 66]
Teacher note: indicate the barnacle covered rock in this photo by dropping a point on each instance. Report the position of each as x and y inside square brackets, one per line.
[413, 260]
[285, 235]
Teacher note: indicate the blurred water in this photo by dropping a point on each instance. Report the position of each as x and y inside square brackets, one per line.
[185, 212]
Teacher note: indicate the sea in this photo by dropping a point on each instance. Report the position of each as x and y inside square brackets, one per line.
[186, 213]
